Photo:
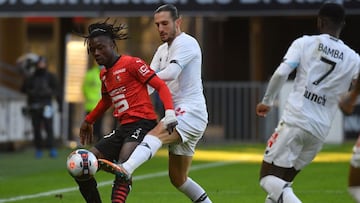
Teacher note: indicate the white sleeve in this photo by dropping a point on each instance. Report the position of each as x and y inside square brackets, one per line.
[155, 62]
[155, 65]
[276, 82]
[171, 72]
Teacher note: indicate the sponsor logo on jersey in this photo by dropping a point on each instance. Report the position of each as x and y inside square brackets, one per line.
[314, 97]
[117, 74]
[117, 78]
[122, 70]
[144, 69]
[120, 90]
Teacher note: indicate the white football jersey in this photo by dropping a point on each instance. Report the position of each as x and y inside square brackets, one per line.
[187, 88]
[325, 69]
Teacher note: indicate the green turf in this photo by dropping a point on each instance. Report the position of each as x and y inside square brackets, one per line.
[22, 176]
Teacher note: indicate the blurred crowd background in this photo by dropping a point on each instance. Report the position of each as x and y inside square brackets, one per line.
[242, 42]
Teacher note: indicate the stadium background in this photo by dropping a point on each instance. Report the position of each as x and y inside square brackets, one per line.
[242, 42]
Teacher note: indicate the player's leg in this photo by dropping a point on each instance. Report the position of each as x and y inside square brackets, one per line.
[190, 128]
[354, 172]
[107, 148]
[36, 117]
[277, 169]
[88, 188]
[49, 129]
[179, 166]
[354, 183]
[158, 136]
[269, 200]
[276, 182]
[89, 191]
[148, 148]
[287, 174]
[132, 134]
[121, 188]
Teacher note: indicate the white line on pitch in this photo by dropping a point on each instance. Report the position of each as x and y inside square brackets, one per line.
[104, 183]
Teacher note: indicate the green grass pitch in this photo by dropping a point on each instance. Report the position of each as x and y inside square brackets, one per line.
[229, 173]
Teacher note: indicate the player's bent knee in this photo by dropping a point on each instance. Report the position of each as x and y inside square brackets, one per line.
[273, 186]
[177, 180]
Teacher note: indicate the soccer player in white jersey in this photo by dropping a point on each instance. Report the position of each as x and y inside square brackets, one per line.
[178, 62]
[325, 68]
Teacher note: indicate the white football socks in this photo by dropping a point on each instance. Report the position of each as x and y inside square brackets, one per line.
[143, 152]
[277, 188]
[194, 191]
[289, 196]
[355, 193]
[268, 200]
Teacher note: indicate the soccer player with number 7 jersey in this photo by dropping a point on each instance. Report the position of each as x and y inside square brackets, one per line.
[325, 68]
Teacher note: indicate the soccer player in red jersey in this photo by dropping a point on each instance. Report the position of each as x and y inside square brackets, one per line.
[178, 62]
[124, 86]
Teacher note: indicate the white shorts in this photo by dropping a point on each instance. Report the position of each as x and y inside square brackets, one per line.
[291, 146]
[191, 126]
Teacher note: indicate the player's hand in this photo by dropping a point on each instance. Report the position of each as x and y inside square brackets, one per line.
[86, 133]
[262, 109]
[347, 103]
[170, 120]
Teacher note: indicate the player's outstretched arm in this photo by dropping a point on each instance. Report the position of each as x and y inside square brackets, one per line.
[164, 93]
[275, 84]
[86, 129]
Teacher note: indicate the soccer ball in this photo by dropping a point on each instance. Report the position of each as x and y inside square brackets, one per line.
[82, 164]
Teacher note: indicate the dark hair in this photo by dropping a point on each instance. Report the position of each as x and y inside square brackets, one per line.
[333, 11]
[168, 7]
[41, 59]
[106, 29]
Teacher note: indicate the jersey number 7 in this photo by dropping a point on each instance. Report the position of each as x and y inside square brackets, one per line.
[332, 67]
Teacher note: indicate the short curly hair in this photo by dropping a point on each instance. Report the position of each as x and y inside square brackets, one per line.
[334, 11]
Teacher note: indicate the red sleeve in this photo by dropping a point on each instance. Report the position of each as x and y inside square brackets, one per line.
[164, 92]
[141, 70]
[99, 110]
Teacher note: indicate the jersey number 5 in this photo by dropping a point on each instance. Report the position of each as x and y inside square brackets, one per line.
[332, 67]
[121, 103]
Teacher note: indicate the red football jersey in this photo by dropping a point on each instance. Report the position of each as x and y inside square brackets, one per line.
[125, 83]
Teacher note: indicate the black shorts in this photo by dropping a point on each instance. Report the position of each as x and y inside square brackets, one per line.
[111, 144]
